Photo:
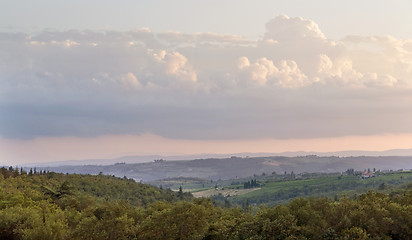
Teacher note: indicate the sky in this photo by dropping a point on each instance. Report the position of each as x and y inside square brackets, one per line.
[105, 79]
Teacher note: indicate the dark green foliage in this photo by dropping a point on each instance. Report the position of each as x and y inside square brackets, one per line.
[251, 184]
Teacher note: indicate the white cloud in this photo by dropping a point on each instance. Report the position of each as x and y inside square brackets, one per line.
[383, 55]
[290, 75]
[373, 80]
[340, 72]
[130, 82]
[257, 72]
[220, 38]
[264, 72]
[325, 64]
[285, 29]
[175, 64]
[66, 43]
[243, 62]
[292, 83]
[175, 38]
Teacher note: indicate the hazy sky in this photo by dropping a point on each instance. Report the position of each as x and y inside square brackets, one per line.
[96, 79]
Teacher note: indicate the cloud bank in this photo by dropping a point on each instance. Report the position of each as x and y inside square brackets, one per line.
[294, 82]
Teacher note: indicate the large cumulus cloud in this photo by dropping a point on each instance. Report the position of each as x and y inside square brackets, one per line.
[294, 82]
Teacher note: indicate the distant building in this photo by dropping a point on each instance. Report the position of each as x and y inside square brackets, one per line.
[367, 175]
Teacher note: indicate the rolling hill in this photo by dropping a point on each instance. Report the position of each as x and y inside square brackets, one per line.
[236, 167]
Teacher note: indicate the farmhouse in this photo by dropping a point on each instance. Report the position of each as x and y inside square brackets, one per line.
[367, 175]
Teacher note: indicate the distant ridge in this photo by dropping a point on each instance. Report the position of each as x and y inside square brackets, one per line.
[150, 158]
[236, 166]
[353, 153]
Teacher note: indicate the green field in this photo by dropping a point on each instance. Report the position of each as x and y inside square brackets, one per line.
[274, 191]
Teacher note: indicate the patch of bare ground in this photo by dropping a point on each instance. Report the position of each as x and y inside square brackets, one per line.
[272, 163]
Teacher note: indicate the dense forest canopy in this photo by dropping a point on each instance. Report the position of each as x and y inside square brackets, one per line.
[47, 205]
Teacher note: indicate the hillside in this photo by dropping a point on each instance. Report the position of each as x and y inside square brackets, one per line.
[275, 191]
[68, 187]
[237, 167]
[41, 205]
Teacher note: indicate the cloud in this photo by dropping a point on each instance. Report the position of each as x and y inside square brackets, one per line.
[382, 55]
[175, 65]
[285, 29]
[264, 72]
[340, 72]
[130, 81]
[174, 38]
[372, 79]
[294, 82]
[243, 62]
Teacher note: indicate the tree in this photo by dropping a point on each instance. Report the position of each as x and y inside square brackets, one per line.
[182, 220]
[355, 233]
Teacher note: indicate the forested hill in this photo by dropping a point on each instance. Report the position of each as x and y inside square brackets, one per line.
[76, 190]
[42, 205]
[48, 205]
